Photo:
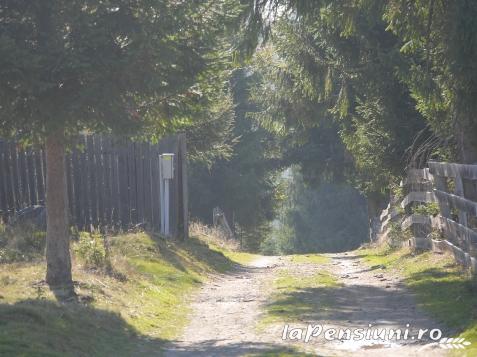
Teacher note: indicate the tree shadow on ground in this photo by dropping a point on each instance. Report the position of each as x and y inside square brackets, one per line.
[185, 255]
[351, 306]
[451, 296]
[46, 328]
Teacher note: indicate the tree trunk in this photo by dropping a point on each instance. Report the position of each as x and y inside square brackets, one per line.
[373, 203]
[58, 260]
[466, 142]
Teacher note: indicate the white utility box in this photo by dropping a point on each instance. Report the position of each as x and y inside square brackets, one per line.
[167, 166]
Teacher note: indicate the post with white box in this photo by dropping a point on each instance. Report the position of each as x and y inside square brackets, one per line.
[166, 174]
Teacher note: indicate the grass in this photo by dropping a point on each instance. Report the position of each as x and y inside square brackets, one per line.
[298, 297]
[132, 312]
[216, 241]
[308, 258]
[242, 258]
[442, 288]
[288, 352]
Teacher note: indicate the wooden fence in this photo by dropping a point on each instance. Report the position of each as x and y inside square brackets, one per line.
[452, 187]
[111, 182]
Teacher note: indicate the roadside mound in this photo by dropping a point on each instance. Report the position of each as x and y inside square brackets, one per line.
[132, 306]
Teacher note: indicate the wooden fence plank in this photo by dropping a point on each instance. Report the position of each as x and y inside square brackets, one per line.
[93, 197]
[23, 174]
[85, 191]
[106, 150]
[15, 180]
[415, 196]
[452, 170]
[3, 187]
[132, 182]
[155, 182]
[139, 181]
[457, 202]
[77, 186]
[115, 198]
[31, 177]
[123, 187]
[185, 187]
[108, 183]
[147, 182]
[11, 186]
[98, 179]
[459, 191]
[40, 183]
[415, 219]
[70, 189]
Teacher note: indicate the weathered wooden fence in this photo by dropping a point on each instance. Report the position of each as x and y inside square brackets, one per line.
[111, 182]
[453, 188]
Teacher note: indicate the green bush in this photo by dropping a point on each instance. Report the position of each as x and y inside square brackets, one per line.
[91, 250]
[428, 209]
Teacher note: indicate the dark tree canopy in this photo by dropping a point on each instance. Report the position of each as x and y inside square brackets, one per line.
[102, 65]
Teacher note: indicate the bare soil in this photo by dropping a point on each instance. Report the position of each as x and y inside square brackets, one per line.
[227, 311]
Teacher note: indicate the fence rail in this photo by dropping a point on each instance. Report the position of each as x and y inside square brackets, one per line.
[453, 187]
[111, 182]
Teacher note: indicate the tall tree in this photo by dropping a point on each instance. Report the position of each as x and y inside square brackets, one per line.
[334, 61]
[439, 40]
[116, 65]
[243, 184]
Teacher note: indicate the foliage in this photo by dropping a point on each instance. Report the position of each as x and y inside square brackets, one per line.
[396, 235]
[279, 241]
[329, 218]
[428, 209]
[243, 186]
[438, 39]
[139, 69]
[97, 65]
[339, 73]
[91, 250]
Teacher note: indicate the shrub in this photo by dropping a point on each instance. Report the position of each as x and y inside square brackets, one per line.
[428, 209]
[397, 235]
[91, 250]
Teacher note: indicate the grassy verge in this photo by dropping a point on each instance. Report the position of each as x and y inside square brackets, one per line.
[228, 247]
[131, 312]
[308, 258]
[442, 288]
[298, 296]
[286, 352]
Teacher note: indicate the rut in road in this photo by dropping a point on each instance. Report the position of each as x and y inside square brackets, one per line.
[228, 308]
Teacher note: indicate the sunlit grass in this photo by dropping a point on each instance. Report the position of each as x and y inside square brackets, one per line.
[285, 352]
[309, 258]
[242, 258]
[296, 297]
[120, 317]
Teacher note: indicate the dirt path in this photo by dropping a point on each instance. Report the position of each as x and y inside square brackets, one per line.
[227, 310]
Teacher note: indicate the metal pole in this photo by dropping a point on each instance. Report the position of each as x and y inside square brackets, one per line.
[166, 210]
[161, 196]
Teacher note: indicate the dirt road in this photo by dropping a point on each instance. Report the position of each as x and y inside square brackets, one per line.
[228, 309]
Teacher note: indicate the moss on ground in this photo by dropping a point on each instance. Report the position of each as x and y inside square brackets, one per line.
[296, 297]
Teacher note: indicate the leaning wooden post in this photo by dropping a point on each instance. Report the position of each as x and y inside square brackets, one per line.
[440, 183]
[459, 191]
